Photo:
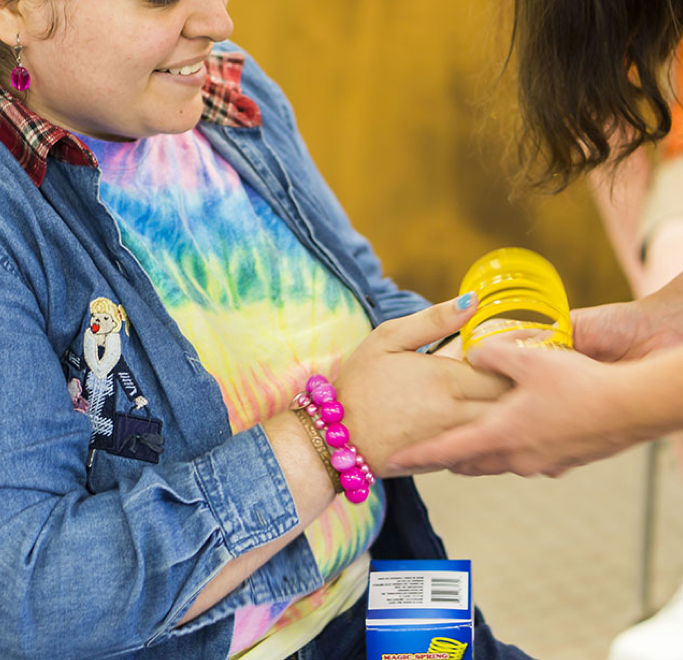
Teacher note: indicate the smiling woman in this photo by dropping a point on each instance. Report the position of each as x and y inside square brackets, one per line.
[173, 273]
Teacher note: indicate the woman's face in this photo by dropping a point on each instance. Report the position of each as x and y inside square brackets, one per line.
[118, 68]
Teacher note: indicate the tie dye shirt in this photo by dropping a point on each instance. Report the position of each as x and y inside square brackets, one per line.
[262, 313]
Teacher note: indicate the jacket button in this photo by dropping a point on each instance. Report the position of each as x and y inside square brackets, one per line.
[370, 300]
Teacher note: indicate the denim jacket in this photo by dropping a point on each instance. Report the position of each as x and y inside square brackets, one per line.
[106, 565]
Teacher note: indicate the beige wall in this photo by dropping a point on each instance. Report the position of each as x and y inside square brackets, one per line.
[388, 97]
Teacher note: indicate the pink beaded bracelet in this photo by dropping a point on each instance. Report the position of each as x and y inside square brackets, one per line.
[320, 403]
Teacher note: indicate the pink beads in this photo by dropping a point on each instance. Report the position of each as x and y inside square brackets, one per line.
[320, 403]
[357, 496]
[323, 394]
[352, 479]
[343, 459]
[314, 381]
[332, 411]
[337, 435]
[20, 78]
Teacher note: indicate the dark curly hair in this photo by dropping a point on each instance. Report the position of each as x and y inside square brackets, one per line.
[591, 74]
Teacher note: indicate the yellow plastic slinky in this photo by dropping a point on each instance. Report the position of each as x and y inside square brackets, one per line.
[518, 290]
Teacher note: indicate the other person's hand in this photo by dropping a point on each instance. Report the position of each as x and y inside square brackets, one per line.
[628, 331]
[564, 410]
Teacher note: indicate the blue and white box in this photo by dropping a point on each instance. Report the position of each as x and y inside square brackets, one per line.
[420, 610]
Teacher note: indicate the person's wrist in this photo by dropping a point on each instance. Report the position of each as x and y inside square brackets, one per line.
[660, 317]
[298, 459]
[656, 382]
[327, 415]
[617, 388]
[317, 441]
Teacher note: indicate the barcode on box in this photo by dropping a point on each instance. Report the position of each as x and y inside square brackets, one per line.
[448, 590]
[419, 589]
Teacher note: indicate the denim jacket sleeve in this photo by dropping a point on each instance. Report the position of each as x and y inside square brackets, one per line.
[88, 576]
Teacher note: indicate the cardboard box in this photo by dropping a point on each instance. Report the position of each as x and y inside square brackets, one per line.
[420, 610]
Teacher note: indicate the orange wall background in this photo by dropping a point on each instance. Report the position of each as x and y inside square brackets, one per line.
[388, 95]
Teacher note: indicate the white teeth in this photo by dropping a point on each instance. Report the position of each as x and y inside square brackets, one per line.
[185, 71]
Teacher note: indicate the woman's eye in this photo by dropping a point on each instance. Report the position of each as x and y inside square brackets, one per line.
[161, 3]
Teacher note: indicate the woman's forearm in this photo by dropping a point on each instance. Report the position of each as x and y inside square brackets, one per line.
[311, 490]
[646, 401]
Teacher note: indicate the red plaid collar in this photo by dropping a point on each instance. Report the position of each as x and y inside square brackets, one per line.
[224, 102]
[32, 139]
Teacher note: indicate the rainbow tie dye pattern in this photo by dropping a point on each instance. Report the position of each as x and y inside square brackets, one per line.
[262, 314]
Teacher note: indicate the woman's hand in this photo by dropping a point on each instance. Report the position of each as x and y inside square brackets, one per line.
[628, 331]
[565, 410]
[395, 397]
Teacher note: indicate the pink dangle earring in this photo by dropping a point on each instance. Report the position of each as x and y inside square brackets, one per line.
[20, 78]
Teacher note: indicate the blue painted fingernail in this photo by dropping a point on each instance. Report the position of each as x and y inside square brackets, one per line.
[464, 301]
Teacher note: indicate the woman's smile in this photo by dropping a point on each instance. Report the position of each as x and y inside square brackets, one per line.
[193, 75]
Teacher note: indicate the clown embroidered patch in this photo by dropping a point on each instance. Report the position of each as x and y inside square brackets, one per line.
[103, 371]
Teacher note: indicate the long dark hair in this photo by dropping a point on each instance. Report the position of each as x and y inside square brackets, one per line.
[591, 73]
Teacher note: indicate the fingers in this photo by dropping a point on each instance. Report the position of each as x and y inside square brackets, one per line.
[484, 466]
[586, 337]
[503, 358]
[466, 383]
[522, 364]
[444, 452]
[605, 332]
[474, 450]
[523, 466]
[411, 332]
